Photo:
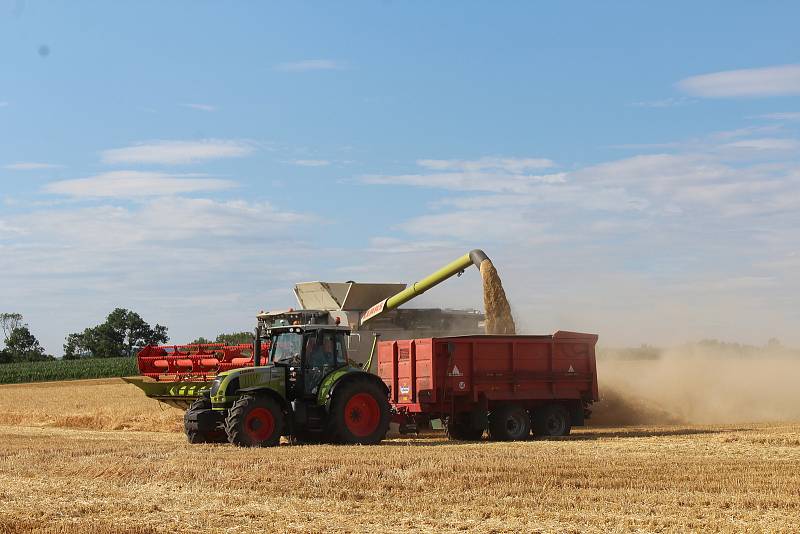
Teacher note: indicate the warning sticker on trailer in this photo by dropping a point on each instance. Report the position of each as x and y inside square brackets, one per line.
[455, 371]
[404, 389]
[571, 369]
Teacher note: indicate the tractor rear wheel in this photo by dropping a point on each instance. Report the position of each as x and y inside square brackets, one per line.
[359, 413]
[254, 421]
[551, 420]
[509, 422]
[203, 425]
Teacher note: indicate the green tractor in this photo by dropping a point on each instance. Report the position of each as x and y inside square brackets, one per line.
[307, 390]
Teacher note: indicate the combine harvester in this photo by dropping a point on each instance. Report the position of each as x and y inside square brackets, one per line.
[311, 387]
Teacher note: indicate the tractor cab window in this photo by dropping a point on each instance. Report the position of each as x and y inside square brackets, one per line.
[341, 349]
[320, 350]
[320, 359]
[285, 348]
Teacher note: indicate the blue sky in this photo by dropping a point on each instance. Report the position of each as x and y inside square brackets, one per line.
[632, 168]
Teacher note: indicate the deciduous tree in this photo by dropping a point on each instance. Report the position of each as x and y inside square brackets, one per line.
[122, 334]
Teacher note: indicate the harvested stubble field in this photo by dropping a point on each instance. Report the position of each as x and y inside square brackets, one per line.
[75, 458]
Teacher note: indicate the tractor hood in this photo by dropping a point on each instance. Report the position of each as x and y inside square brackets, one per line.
[230, 385]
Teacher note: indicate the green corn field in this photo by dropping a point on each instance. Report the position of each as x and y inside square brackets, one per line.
[15, 373]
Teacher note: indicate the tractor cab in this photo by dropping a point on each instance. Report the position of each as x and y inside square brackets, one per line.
[310, 353]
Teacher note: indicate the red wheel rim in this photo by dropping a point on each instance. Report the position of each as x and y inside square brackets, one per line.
[362, 414]
[259, 424]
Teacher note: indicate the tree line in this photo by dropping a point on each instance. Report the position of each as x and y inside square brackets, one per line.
[123, 333]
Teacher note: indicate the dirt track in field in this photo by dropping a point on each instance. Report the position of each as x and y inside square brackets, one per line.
[58, 478]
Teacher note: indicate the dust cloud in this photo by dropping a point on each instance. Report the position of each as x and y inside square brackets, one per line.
[698, 384]
[498, 312]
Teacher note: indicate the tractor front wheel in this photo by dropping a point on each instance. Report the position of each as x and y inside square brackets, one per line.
[203, 425]
[359, 413]
[254, 421]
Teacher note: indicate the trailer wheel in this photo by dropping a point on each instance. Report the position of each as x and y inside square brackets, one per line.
[203, 425]
[463, 432]
[359, 413]
[254, 421]
[509, 422]
[551, 420]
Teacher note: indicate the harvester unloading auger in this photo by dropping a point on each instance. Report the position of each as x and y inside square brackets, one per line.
[310, 388]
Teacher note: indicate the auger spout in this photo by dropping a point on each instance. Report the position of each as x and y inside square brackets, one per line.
[474, 257]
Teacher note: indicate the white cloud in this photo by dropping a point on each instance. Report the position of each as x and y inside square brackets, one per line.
[652, 171]
[310, 64]
[512, 165]
[7, 231]
[31, 166]
[481, 226]
[469, 181]
[768, 81]
[178, 152]
[670, 102]
[311, 162]
[130, 184]
[727, 176]
[200, 107]
[492, 174]
[568, 196]
[158, 220]
[782, 116]
[770, 144]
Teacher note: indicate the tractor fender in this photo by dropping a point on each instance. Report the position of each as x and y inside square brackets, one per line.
[343, 376]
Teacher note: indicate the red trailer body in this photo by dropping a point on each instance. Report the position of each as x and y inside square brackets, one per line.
[477, 382]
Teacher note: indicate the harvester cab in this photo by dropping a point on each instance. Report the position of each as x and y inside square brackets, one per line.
[305, 387]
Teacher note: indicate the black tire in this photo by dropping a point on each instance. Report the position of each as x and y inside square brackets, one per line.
[459, 431]
[255, 421]
[509, 422]
[551, 421]
[203, 425]
[359, 413]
